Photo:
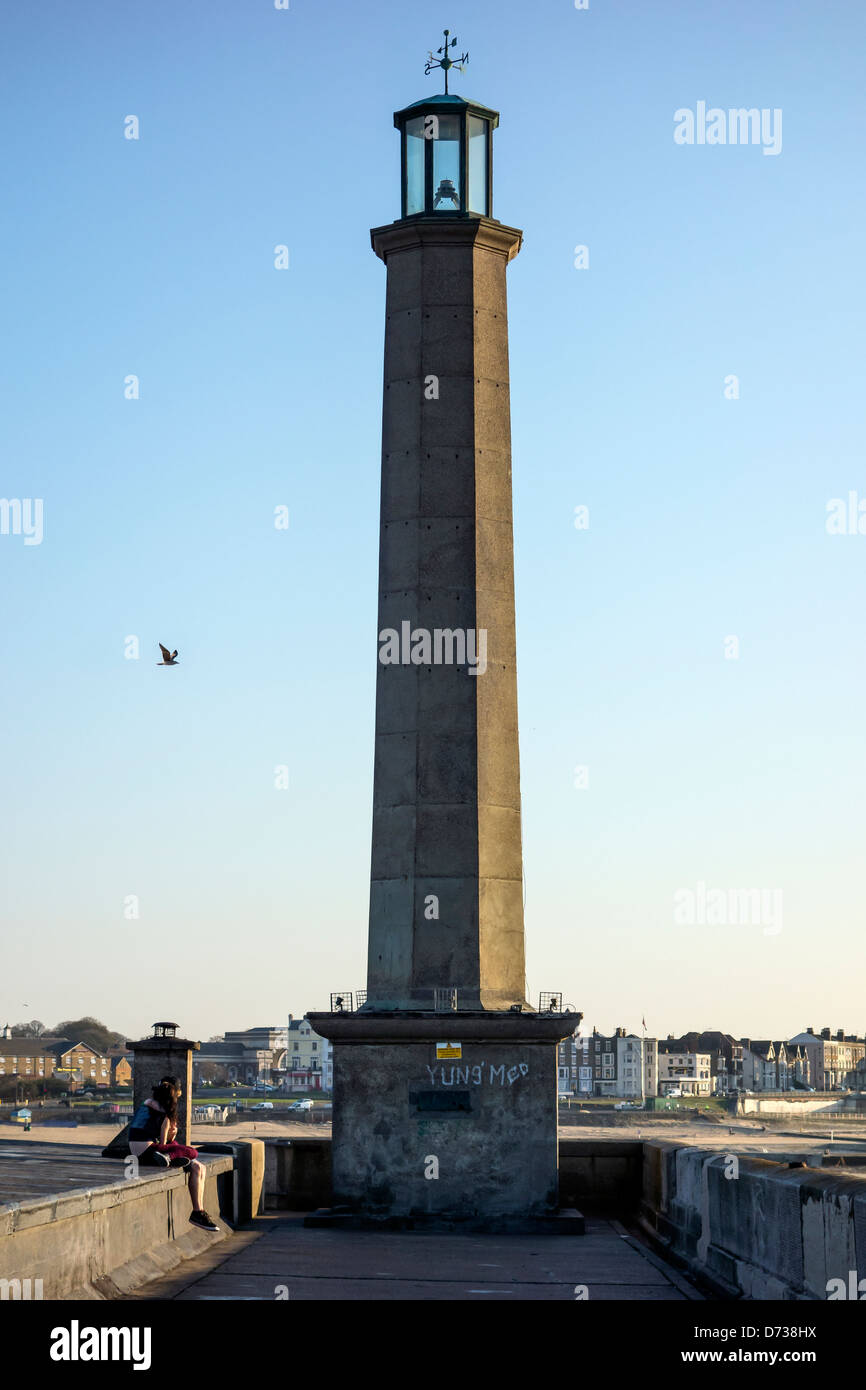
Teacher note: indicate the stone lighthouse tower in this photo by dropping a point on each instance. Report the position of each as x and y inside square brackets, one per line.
[445, 1088]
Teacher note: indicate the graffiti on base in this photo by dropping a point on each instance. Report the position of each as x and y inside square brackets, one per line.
[479, 1074]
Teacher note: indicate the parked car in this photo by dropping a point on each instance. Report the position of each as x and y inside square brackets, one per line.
[301, 1105]
[263, 1105]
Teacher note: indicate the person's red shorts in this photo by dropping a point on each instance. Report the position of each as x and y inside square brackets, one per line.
[176, 1150]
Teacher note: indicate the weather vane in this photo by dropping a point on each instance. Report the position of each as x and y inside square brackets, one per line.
[445, 62]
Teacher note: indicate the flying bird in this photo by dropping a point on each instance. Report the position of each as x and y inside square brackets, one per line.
[168, 658]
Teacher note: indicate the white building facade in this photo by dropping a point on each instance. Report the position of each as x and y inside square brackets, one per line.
[687, 1072]
[309, 1059]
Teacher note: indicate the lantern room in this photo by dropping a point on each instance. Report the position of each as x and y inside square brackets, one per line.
[446, 157]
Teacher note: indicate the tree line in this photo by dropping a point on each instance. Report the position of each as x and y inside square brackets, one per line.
[86, 1030]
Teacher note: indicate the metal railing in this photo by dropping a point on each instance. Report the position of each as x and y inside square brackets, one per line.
[445, 1001]
[549, 1002]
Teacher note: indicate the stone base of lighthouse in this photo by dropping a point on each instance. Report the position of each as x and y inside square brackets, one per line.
[445, 1118]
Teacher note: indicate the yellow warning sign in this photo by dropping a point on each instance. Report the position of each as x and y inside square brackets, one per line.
[448, 1049]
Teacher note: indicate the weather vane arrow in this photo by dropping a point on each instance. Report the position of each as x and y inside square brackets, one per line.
[443, 61]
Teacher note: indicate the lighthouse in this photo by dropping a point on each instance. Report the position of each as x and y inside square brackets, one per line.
[445, 1090]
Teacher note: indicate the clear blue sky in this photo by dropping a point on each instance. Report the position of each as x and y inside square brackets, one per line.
[261, 387]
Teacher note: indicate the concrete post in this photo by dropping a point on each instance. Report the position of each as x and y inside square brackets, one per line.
[446, 897]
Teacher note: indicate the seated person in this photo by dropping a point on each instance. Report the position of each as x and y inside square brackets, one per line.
[152, 1135]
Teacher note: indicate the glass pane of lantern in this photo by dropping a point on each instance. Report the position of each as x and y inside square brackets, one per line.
[478, 166]
[446, 165]
[415, 143]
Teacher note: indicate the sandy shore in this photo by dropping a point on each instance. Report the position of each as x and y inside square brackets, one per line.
[746, 1136]
[201, 1134]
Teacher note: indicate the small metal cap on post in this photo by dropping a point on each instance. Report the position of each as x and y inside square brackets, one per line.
[164, 1030]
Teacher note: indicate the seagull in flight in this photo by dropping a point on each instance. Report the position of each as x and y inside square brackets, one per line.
[168, 658]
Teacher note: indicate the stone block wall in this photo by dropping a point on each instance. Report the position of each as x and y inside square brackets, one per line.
[753, 1227]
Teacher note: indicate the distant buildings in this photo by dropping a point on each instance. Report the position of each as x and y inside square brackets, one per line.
[726, 1057]
[637, 1065]
[682, 1072]
[774, 1065]
[293, 1058]
[309, 1059]
[76, 1063]
[621, 1065]
[246, 1057]
[626, 1066]
[121, 1067]
[834, 1059]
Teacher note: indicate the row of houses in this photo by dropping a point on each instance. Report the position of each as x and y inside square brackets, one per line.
[629, 1066]
[293, 1058]
[76, 1063]
[622, 1065]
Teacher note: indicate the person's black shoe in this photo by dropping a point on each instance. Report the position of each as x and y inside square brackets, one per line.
[201, 1218]
[180, 1162]
[152, 1158]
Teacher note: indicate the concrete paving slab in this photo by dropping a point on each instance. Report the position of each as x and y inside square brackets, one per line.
[29, 1170]
[333, 1265]
[226, 1288]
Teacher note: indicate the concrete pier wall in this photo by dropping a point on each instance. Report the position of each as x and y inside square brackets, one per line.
[594, 1175]
[104, 1241]
[297, 1174]
[852, 1107]
[754, 1228]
